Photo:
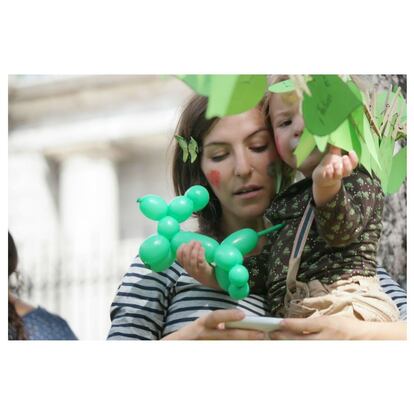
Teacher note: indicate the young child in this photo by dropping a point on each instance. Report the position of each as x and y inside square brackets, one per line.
[332, 270]
[332, 225]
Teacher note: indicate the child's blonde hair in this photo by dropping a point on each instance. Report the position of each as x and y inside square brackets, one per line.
[286, 172]
[271, 79]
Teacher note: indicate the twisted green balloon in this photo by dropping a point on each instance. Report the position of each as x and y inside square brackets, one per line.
[158, 251]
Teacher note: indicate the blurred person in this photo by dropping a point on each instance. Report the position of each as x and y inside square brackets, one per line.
[28, 322]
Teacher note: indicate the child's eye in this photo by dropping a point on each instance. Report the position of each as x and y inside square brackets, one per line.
[260, 148]
[285, 123]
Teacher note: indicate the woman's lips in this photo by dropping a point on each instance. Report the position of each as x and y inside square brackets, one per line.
[249, 194]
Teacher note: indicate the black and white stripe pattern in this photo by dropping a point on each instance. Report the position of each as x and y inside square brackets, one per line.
[151, 305]
[394, 291]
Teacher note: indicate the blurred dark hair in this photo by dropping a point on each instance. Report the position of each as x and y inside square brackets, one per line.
[16, 326]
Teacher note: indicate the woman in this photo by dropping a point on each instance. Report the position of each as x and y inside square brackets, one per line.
[28, 322]
[236, 163]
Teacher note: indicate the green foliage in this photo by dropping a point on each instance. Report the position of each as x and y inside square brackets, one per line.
[329, 104]
[228, 94]
[282, 87]
[306, 145]
[398, 171]
[335, 112]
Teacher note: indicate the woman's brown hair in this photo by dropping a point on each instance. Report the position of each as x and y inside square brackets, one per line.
[16, 327]
[193, 123]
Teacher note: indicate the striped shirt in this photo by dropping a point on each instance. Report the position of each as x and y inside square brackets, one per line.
[151, 305]
[394, 291]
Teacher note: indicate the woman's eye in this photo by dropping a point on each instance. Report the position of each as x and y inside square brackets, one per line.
[260, 148]
[217, 158]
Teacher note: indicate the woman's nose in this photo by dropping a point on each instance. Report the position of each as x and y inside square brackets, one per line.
[243, 166]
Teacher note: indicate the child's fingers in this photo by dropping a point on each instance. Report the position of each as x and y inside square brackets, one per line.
[334, 150]
[328, 172]
[347, 170]
[353, 158]
[338, 169]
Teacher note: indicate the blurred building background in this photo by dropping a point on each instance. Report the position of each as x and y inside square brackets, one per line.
[81, 150]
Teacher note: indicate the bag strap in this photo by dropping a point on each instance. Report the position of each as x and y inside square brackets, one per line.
[298, 245]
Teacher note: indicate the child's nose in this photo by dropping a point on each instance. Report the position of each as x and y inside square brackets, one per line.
[299, 125]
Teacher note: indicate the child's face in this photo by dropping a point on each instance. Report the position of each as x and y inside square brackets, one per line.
[288, 125]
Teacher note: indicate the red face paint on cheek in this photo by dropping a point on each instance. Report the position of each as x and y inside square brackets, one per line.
[277, 143]
[214, 178]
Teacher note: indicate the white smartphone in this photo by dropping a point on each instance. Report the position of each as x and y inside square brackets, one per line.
[258, 323]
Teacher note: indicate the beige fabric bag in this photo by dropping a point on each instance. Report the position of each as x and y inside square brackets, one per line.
[359, 297]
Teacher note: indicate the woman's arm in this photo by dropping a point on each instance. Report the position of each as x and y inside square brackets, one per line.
[339, 327]
[211, 326]
[139, 308]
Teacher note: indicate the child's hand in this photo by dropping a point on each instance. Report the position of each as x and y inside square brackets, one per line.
[327, 176]
[192, 257]
[333, 167]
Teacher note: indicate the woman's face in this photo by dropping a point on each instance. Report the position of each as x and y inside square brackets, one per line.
[236, 157]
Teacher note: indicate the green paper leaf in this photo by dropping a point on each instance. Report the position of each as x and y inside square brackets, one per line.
[228, 94]
[355, 90]
[365, 159]
[380, 108]
[200, 84]
[330, 103]
[355, 138]
[398, 171]
[282, 87]
[183, 145]
[321, 142]
[341, 137]
[193, 149]
[305, 147]
[234, 94]
[386, 153]
[372, 146]
[357, 116]
[346, 138]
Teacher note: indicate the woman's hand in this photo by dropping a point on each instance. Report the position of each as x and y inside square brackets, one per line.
[338, 327]
[323, 327]
[211, 326]
[192, 258]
